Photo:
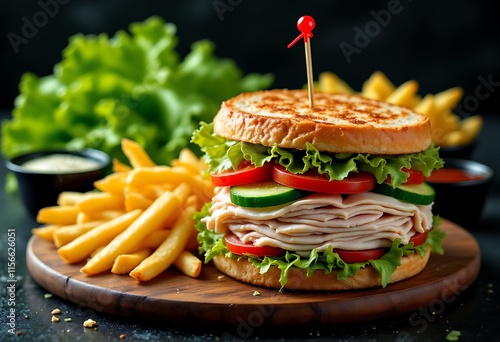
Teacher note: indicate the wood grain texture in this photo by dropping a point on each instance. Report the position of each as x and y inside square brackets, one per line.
[209, 299]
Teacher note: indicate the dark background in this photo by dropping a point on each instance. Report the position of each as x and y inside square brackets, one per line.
[441, 44]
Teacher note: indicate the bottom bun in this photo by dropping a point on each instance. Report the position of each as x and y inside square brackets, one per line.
[297, 279]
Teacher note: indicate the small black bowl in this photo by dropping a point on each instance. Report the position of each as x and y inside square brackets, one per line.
[41, 189]
[462, 201]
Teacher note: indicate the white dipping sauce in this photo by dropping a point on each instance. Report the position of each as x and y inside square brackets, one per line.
[61, 163]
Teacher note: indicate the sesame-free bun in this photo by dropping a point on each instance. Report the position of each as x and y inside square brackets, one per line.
[366, 277]
[337, 123]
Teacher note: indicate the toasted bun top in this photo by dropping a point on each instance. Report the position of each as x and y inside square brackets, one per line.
[337, 123]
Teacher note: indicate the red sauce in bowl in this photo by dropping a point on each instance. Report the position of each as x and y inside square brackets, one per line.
[453, 175]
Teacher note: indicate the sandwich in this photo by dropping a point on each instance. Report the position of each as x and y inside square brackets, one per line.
[326, 198]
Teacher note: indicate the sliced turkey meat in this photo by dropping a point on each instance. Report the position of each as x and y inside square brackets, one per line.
[352, 222]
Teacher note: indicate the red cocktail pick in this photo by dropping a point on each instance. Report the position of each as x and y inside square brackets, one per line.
[305, 25]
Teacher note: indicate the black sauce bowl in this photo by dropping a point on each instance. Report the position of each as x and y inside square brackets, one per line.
[462, 202]
[41, 189]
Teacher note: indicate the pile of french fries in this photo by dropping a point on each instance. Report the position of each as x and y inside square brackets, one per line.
[138, 221]
[448, 129]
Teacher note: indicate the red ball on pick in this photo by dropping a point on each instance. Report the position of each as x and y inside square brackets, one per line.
[306, 24]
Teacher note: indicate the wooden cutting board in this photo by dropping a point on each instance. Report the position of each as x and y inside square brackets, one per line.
[215, 300]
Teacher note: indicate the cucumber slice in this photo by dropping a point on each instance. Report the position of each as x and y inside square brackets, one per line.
[422, 194]
[263, 194]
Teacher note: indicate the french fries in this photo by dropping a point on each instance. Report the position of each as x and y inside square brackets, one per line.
[153, 240]
[404, 94]
[150, 220]
[378, 87]
[100, 201]
[188, 263]
[57, 215]
[139, 221]
[46, 232]
[447, 128]
[69, 198]
[331, 83]
[169, 250]
[127, 262]
[80, 248]
[66, 234]
[135, 154]
[113, 184]
[118, 166]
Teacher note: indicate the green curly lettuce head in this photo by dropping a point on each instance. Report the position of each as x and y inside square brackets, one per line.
[134, 84]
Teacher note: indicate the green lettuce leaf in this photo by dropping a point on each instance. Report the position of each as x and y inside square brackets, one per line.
[223, 154]
[212, 245]
[134, 85]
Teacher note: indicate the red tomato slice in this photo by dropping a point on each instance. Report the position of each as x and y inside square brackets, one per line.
[236, 246]
[245, 174]
[414, 176]
[419, 238]
[360, 256]
[312, 181]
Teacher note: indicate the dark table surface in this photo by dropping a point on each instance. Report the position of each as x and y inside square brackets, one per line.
[474, 312]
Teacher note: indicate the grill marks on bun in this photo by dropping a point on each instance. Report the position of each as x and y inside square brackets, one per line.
[338, 123]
